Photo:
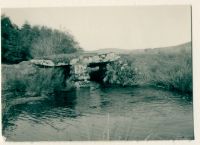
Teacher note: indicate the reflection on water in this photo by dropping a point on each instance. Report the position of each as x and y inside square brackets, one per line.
[103, 114]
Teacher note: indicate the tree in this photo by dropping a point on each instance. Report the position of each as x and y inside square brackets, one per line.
[10, 41]
[26, 38]
[51, 42]
[33, 41]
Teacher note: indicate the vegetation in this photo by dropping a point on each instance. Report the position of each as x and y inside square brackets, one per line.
[173, 72]
[120, 73]
[22, 82]
[170, 68]
[27, 42]
[33, 80]
[165, 67]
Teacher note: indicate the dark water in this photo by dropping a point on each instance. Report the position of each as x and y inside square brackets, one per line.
[103, 114]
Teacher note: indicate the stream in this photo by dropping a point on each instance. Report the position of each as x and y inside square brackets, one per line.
[103, 114]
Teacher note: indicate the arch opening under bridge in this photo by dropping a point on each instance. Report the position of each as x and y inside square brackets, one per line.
[80, 67]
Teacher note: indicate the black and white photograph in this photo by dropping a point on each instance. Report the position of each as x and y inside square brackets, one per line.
[97, 73]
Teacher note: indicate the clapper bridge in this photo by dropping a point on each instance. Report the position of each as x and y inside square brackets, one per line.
[81, 67]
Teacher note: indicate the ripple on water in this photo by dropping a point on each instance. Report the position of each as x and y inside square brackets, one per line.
[106, 113]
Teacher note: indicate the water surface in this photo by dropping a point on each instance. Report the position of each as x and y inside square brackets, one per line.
[103, 114]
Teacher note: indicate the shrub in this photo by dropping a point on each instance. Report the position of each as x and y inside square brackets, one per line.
[120, 73]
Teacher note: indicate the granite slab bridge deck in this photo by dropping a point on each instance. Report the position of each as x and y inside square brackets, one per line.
[79, 64]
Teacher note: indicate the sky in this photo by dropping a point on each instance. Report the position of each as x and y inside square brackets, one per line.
[124, 27]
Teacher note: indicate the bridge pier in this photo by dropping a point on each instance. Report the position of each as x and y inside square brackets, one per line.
[80, 75]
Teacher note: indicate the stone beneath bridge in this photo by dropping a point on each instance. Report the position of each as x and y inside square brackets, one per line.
[81, 64]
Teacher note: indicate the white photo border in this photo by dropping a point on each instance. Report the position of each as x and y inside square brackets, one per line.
[195, 47]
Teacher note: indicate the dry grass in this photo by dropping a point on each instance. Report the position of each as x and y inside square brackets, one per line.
[25, 77]
[171, 70]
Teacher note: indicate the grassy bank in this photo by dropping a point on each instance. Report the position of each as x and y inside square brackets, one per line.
[170, 68]
[27, 78]
[25, 81]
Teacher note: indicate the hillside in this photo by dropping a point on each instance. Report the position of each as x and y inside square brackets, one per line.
[169, 49]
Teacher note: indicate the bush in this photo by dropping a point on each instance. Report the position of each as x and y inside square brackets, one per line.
[120, 73]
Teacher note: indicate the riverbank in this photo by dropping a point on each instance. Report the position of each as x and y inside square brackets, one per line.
[170, 68]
